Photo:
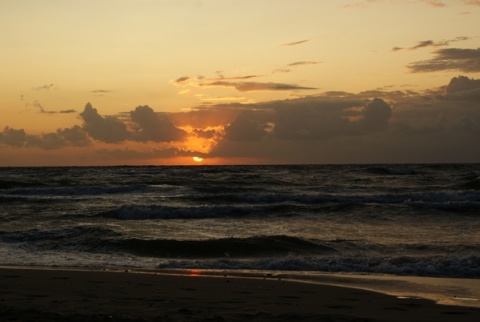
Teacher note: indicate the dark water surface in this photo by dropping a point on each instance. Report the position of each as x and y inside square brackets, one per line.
[399, 219]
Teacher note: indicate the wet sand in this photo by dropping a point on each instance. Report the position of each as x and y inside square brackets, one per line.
[93, 295]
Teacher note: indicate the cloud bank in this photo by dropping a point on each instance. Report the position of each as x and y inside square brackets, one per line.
[464, 60]
[439, 125]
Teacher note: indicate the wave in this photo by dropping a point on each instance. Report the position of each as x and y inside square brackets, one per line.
[435, 266]
[77, 238]
[96, 239]
[323, 197]
[270, 204]
[400, 171]
[258, 246]
[10, 184]
[131, 212]
[74, 191]
[472, 183]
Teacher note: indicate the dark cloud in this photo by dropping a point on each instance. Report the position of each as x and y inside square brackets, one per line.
[439, 125]
[463, 88]
[257, 86]
[376, 115]
[211, 116]
[156, 127]
[18, 138]
[245, 128]
[46, 141]
[366, 3]
[43, 110]
[182, 79]
[436, 3]
[43, 87]
[222, 78]
[289, 67]
[13, 137]
[462, 84]
[74, 136]
[465, 60]
[346, 127]
[106, 129]
[295, 43]
[431, 43]
[301, 63]
[472, 2]
[311, 120]
[282, 70]
[128, 154]
[100, 91]
[426, 43]
[432, 3]
[150, 126]
[321, 119]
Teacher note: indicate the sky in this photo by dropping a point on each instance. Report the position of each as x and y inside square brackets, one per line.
[179, 82]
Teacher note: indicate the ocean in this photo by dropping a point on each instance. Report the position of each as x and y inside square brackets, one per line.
[414, 219]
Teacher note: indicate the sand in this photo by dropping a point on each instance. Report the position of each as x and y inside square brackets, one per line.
[106, 295]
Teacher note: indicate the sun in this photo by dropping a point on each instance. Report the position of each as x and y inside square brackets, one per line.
[197, 159]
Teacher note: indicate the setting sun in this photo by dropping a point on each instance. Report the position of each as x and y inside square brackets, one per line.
[197, 159]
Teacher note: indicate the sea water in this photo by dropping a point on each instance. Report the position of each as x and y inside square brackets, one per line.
[421, 220]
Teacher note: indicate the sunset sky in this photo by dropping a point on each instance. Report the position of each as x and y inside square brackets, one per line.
[116, 82]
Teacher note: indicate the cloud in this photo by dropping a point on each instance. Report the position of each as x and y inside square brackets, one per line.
[106, 129]
[431, 43]
[74, 136]
[42, 110]
[182, 79]
[463, 88]
[320, 119]
[438, 125]
[208, 116]
[426, 43]
[301, 63]
[465, 60]
[156, 127]
[129, 154]
[144, 125]
[13, 137]
[432, 3]
[282, 70]
[245, 127]
[147, 126]
[45, 87]
[472, 2]
[100, 91]
[436, 3]
[289, 67]
[376, 115]
[344, 127]
[222, 78]
[206, 134]
[462, 84]
[257, 86]
[364, 3]
[18, 138]
[296, 43]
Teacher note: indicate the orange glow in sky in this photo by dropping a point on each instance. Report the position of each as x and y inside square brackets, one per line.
[331, 81]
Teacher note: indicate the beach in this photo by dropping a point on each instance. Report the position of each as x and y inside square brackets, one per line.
[39, 294]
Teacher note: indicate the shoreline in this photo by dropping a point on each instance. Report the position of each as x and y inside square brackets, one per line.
[81, 294]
